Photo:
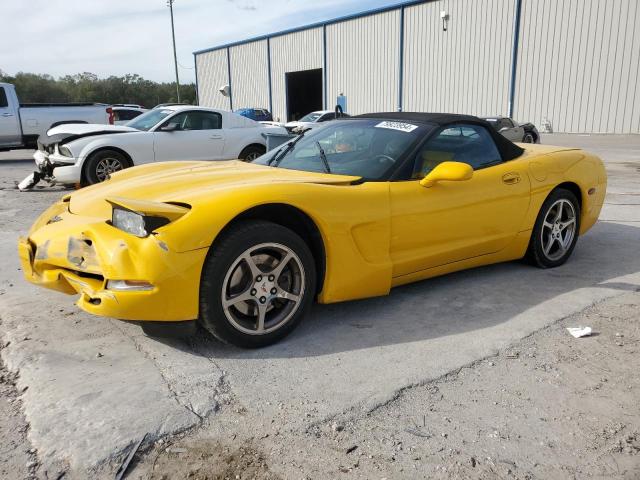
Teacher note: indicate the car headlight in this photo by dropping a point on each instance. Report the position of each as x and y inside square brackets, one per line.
[136, 223]
[64, 151]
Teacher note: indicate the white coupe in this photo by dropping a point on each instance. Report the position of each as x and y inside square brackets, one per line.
[88, 154]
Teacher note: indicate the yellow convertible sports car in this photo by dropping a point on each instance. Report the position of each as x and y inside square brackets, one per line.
[348, 210]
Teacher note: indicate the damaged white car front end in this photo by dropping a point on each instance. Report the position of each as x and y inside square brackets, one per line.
[53, 167]
[88, 154]
[59, 155]
[61, 166]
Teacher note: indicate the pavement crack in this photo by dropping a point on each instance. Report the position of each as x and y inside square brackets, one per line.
[223, 387]
[167, 382]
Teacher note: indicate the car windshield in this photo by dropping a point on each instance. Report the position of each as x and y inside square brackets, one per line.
[311, 117]
[493, 122]
[367, 148]
[148, 120]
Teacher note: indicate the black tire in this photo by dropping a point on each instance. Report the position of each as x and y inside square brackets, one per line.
[542, 235]
[250, 153]
[225, 262]
[101, 164]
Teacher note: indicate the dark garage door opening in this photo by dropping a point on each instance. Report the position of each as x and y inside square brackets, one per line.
[304, 93]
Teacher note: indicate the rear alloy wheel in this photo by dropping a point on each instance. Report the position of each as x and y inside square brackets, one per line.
[102, 164]
[258, 281]
[528, 138]
[556, 231]
[252, 152]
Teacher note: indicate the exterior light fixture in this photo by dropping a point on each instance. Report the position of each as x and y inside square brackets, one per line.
[445, 19]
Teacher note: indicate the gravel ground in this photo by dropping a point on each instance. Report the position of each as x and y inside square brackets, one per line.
[550, 406]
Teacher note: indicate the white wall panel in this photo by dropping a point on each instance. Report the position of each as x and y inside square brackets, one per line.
[291, 53]
[249, 78]
[465, 69]
[362, 62]
[212, 74]
[578, 65]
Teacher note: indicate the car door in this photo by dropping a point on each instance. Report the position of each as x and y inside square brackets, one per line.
[453, 221]
[10, 132]
[509, 130]
[198, 135]
[518, 131]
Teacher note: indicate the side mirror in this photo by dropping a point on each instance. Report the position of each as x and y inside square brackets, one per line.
[449, 172]
[170, 127]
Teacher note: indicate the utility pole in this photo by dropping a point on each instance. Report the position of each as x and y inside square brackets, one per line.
[175, 56]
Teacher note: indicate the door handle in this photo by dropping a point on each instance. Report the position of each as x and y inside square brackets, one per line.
[215, 137]
[7, 114]
[511, 178]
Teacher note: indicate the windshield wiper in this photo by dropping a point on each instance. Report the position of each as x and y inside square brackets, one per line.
[277, 158]
[323, 157]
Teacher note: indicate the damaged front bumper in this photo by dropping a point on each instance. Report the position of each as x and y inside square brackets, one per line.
[56, 168]
[75, 254]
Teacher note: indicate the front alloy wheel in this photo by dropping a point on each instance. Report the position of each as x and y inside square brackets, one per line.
[257, 283]
[263, 288]
[100, 165]
[107, 166]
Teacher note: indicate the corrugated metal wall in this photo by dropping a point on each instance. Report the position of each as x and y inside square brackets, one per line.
[465, 69]
[291, 53]
[249, 77]
[578, 65]
[212, 74]
[362, 62]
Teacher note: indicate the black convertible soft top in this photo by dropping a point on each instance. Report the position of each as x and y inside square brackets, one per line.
[508, 150]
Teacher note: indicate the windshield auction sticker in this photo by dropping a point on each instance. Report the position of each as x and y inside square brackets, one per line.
[403, 127]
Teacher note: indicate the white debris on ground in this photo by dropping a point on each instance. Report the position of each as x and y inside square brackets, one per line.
[578, 332]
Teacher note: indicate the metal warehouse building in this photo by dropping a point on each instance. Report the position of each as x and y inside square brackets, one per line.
[566, 65]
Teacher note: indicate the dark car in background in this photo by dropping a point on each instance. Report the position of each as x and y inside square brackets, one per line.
[507, 127]
[257, 114]
[122, 113]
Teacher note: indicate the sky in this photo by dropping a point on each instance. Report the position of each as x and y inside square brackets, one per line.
[116, 37]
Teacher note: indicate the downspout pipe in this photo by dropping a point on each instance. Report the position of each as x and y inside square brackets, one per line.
[195, 67]
[324, 66]
[229, 76]
[514, 56]
[269, 73]
[401, 60]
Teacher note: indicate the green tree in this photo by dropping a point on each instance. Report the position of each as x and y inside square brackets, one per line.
[88, 87]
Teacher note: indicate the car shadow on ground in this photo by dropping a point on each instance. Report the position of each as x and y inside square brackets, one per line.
[449, 305]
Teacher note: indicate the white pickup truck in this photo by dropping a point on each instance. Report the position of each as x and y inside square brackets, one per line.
[21, 125]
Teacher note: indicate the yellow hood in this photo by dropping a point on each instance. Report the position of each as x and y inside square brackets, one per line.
[186, 182]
